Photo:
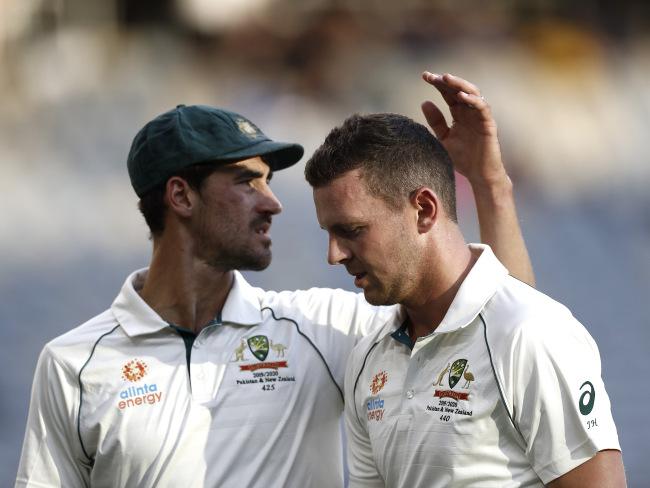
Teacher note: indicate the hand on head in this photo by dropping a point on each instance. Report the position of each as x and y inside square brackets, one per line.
[471, 139]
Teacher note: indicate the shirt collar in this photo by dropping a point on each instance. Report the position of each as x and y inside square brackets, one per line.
[132, 312]
[480, 284]
[137, 317]
[394, 323]
[243, 305]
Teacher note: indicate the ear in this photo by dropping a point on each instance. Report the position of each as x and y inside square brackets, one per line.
[180, 197]
[426, 202]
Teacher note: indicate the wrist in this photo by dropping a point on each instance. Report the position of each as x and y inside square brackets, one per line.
[495, 190]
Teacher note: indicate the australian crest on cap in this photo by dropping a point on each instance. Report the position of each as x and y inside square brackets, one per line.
[246, 127]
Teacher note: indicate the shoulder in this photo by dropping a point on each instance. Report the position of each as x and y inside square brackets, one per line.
[521, 320]
[363, 348]
[518, 307]
[71, 349]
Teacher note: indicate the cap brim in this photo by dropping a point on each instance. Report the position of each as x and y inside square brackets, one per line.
[278, 155]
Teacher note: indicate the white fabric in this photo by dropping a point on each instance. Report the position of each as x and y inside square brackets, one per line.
[519, 354]
[235, 420]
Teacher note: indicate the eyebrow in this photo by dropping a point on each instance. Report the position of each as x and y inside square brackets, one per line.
[240, 172]
[343, 227]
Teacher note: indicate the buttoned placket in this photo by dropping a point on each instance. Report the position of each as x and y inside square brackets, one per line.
[204, 369]
[412, 379]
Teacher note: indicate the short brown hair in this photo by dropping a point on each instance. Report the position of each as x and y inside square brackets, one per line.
[396, 156]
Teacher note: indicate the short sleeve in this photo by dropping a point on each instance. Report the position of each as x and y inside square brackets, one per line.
[51, 446]
[561, 406]
[363, 471]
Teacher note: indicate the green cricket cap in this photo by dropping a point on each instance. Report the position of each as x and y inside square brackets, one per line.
[196, 134]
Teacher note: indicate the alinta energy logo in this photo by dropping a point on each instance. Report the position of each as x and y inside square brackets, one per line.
[375, 406]
[136, 395]
[378, 382]
[134, 370]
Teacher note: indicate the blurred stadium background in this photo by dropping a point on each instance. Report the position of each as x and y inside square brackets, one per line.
[568, 83]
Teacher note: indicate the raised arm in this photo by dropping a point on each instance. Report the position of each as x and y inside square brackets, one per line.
[473, 145]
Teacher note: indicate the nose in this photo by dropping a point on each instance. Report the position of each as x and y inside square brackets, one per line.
[336, 253]
[270, 203]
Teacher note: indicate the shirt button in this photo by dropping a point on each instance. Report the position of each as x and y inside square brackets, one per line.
[409, 394]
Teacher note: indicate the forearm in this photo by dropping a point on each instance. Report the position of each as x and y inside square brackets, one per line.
[604, 470]
[499, 227]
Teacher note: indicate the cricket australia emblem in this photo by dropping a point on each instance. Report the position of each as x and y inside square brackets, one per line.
[247, 128]
[446, 399]
[262, 371]
[456, 371]
[259, 346]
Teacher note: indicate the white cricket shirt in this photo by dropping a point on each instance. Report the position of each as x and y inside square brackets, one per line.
[507, 391]
[127, 400]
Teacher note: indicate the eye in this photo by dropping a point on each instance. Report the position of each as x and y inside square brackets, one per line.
[251, 183]
[251, 178]
[350, 232]
[244, 180]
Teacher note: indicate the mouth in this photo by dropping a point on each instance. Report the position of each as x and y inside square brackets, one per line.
[358, 279]
[263, 229]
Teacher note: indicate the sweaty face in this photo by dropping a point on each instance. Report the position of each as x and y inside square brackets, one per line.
[233, 217]
[372, 240]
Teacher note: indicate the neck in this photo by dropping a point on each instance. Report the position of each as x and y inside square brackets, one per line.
[183, 290]
[450, 268]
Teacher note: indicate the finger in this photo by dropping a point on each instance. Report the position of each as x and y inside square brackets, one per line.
[459, 84]
[448, 93]
[429, 77]
[435, 119]
[475, 102]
